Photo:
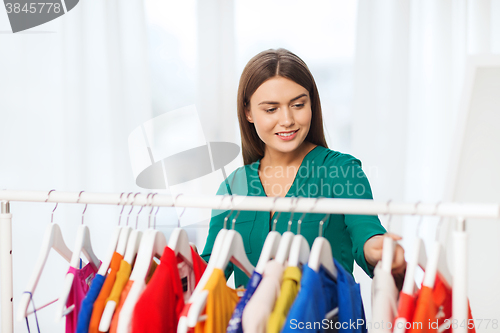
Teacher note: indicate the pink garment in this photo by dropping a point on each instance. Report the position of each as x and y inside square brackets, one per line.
[81, 284]
[261, 304]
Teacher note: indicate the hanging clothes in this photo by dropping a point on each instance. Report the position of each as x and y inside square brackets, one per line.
[327, 305]
[81, 284]
[221, 302]
[347, 233]
[406, 310]
[235, 325]
[114, 321]
[288, 292]
[259, 307]
[88, 304]
[434, 309]
[100, 302]
[384, 300]
[159, 307]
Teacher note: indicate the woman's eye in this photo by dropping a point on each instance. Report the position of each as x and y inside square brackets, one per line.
[298, 105]
[271, 110]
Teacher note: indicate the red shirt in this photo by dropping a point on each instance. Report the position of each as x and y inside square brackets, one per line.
[160, 305]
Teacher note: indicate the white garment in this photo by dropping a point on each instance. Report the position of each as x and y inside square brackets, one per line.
[261, 304]
[384, 300]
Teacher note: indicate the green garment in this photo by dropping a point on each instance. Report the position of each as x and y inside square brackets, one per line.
[323, 173]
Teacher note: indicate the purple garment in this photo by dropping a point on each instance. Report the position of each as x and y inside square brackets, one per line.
[81, 284]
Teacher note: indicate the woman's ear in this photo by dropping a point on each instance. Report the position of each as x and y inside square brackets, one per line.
[248, 115]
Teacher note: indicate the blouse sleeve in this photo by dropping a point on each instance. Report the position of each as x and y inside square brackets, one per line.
[216, 224]
[353, 184]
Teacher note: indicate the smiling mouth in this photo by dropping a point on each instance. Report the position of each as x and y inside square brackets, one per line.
[285, 134]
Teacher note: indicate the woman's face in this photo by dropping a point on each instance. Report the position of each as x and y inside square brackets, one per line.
[281, 112]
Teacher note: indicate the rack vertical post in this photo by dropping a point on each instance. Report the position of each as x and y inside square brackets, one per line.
[6, 285]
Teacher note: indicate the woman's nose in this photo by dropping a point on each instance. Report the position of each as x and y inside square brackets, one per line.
[286, 117]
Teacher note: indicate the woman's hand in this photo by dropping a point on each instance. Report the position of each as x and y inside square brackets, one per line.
[373, 254]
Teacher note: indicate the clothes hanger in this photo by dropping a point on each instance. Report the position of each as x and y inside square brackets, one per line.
[232, 249]
[52, 239]
[179, 241]
[153, 243]
[125, 232]
[389, 246]
[321, 251]
[115, 237]
[286, 239]
[299, 250]
[82, 244]
[130, 253]
[437, 263]
[271, 244]
[418, 258]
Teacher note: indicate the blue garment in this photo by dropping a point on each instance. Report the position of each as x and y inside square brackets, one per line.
[319, 294]
[234, 325]
[88, 304]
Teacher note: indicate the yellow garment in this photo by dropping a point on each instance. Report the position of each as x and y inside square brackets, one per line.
[152, 270]
[289, 290]
[221, 302]
[122, 277]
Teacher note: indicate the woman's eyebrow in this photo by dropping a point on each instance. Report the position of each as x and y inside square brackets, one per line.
[293, 99]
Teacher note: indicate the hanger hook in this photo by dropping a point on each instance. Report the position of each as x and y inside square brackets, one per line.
[152, 208]
[118, 204]
[419, 225]
[292, 209]
[77, 201]
[227, 216]
[126, 200]
[390, 215]
[179, 218]
[322, 221]
[438, 229]
[132, 204]
[52, 216]
[140, 210]
[154, 219]
[234, 219]
[277, 217]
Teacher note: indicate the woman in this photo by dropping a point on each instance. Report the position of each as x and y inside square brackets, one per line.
[285, 155]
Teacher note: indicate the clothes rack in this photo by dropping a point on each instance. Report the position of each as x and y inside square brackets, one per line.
[461, 211]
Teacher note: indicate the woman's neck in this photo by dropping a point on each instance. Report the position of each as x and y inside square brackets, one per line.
[274, 158]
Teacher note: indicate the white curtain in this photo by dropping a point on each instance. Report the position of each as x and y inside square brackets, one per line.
[410, 66]
[71, 92]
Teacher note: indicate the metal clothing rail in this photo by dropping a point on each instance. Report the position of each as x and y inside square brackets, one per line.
[461, 211]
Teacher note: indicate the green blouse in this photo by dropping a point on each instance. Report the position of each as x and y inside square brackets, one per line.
[323, 173]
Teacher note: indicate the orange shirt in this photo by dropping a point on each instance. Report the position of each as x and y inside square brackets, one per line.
[116, 315]
[100, 302]
[433, 309]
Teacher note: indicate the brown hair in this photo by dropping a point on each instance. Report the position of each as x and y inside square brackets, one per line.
[265, 65]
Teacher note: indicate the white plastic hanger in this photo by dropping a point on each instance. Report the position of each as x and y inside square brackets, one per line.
[270, 247]
[437, 264]
[286, 241]
[113, 244]
[321, 253]
[299, 251]
[52, 239]
[179, 241]
[133, 243]
[82, 244]
[152, 244]
[232, 250]
[418, 258]
[388, 247]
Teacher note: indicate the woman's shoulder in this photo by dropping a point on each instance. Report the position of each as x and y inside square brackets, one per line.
[330, 157]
